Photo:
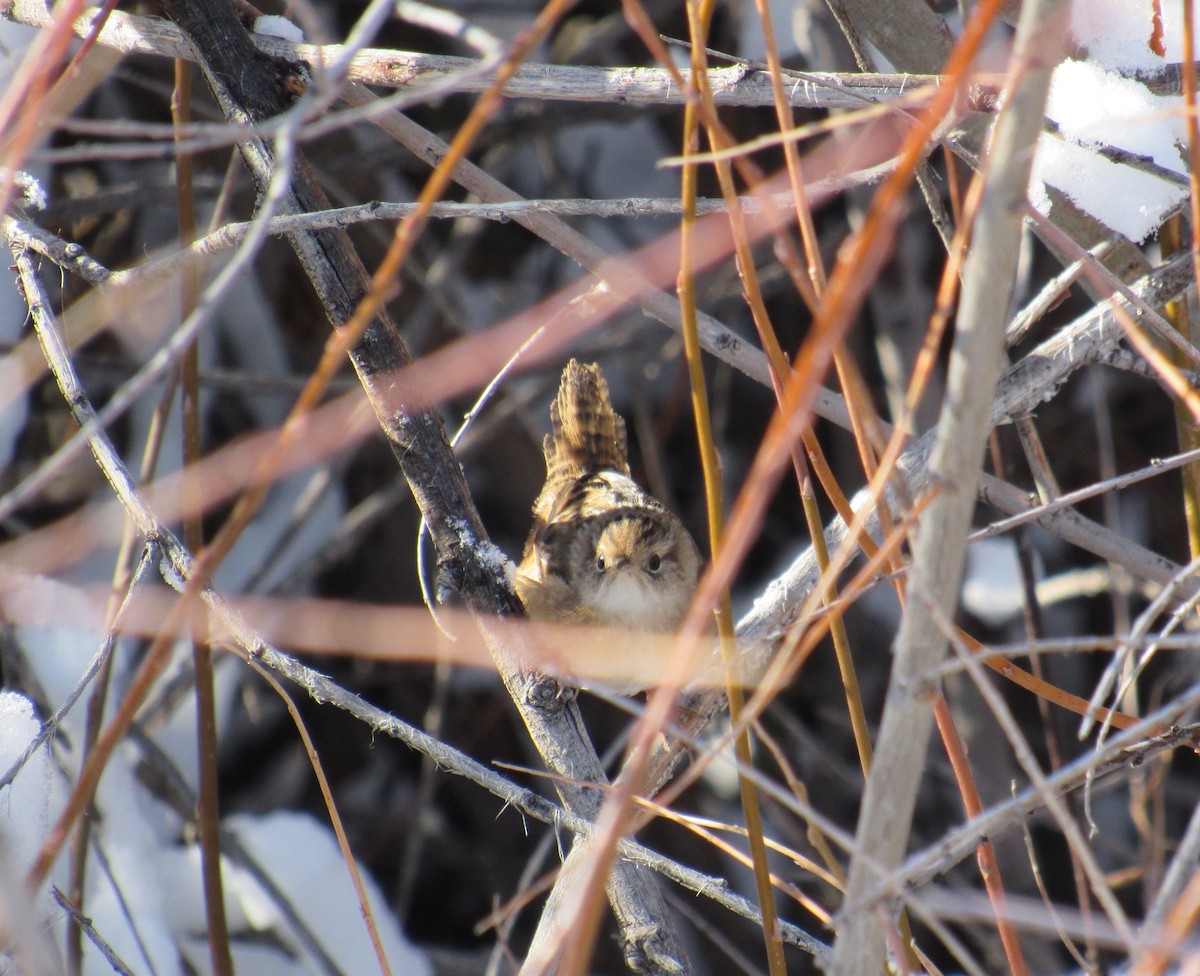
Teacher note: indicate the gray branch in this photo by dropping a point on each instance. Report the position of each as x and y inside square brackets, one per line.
[738, 85]
[957, 458]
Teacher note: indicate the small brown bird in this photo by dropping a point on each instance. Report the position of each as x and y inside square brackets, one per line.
[601, 550]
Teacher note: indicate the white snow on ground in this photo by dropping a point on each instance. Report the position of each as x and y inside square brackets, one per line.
[302, 858]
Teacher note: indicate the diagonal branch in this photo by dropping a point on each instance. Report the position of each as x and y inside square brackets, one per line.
[250, 87]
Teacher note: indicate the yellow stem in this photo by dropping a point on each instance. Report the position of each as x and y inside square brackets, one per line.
[699, 15]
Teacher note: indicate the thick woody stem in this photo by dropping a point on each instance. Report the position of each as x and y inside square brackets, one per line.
[988, 276]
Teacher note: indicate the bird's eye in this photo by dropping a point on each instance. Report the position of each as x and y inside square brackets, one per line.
[600, 562]
[654, 563]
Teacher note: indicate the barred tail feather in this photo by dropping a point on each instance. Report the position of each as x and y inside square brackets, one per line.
[587, 435]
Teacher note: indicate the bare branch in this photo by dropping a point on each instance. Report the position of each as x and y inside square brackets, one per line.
[443, 74]
[957, 457]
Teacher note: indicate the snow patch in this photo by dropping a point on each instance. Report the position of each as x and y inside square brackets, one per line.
[300, 854]
[992, 582]
[25, 803]
[275, 26]
[1095, 107]
[1117, 33]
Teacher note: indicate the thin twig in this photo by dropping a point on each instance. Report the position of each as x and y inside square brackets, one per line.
[735, 86]
[84, 924]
